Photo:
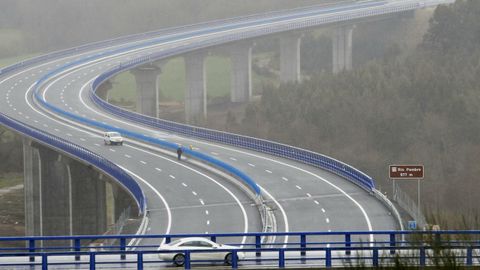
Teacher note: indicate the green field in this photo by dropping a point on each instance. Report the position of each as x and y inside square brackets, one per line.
[172, 80]
[10, 180]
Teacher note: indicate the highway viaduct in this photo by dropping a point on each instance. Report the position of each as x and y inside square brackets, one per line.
[51, 96]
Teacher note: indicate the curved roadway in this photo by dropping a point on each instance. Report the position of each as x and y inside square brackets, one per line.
[181, 197]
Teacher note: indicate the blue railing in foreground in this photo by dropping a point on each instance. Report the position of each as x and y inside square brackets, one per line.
[319, 248]
[83, 154]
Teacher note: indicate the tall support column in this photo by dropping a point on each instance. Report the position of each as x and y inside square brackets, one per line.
[54, 193]
[89, 203]
[342, 48]
[146, 78]
[196, 92]
[62, 196]
[122, 201]
[241, 78]
[31, 175]
[290, 57]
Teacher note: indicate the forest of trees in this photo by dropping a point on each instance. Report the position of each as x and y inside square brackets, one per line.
[420, 108]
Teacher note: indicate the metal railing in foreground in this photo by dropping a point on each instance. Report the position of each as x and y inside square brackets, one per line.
[325, 249]
[82, 154]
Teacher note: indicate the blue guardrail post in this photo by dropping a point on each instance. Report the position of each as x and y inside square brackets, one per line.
[77, 249]
[258, 245]
[187, 260]
[392, 243]
[348, 243]
[234, 259]
[92, 261]
[123, 245]
[140, 261]
[44, 262]
[281, 258]
[31, 249]
[303, 244]
[328, 258]
[422, 256]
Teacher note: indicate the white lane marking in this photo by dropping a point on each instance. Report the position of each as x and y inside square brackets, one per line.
[57, 130]
[360, 207]
[36, 121]
[316, 202]
[285, 179]
[127, 156]
[327, 220]
[232, 158]
[202, 202]
[268, 171]
[97, 144]
[298, 187]
[158, 169]
[45, 125]
[208, 222]
[194, 193]
[206, 212]
[169, 212]
[82, 139]
[143, 162]
[113, 150]
[69, 135]
[323, 210]
[171, 176]
[251, 165]
[309, 195]
[214, 153]
[185, 185]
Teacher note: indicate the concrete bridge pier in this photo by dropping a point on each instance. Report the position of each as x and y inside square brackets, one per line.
[290, 57]
[62, 195]
[104, 90]
[342, 48]
[241, 78]
[196, 88]
[146, 78]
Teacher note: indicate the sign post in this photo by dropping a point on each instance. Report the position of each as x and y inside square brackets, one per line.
[407, 172]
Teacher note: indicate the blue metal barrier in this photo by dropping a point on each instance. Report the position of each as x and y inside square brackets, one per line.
[259, 145]
[83, 154]
[420, 247]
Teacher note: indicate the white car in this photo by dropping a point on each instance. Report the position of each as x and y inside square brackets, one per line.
[112, 138]
[197, 243]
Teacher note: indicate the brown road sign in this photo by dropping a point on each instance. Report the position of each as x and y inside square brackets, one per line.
[406, 171]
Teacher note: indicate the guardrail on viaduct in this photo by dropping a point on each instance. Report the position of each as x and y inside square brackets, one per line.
[307, 249]
[82, 154]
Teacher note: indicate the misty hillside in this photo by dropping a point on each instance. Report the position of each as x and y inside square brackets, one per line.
[26, 25]
[418, 109]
